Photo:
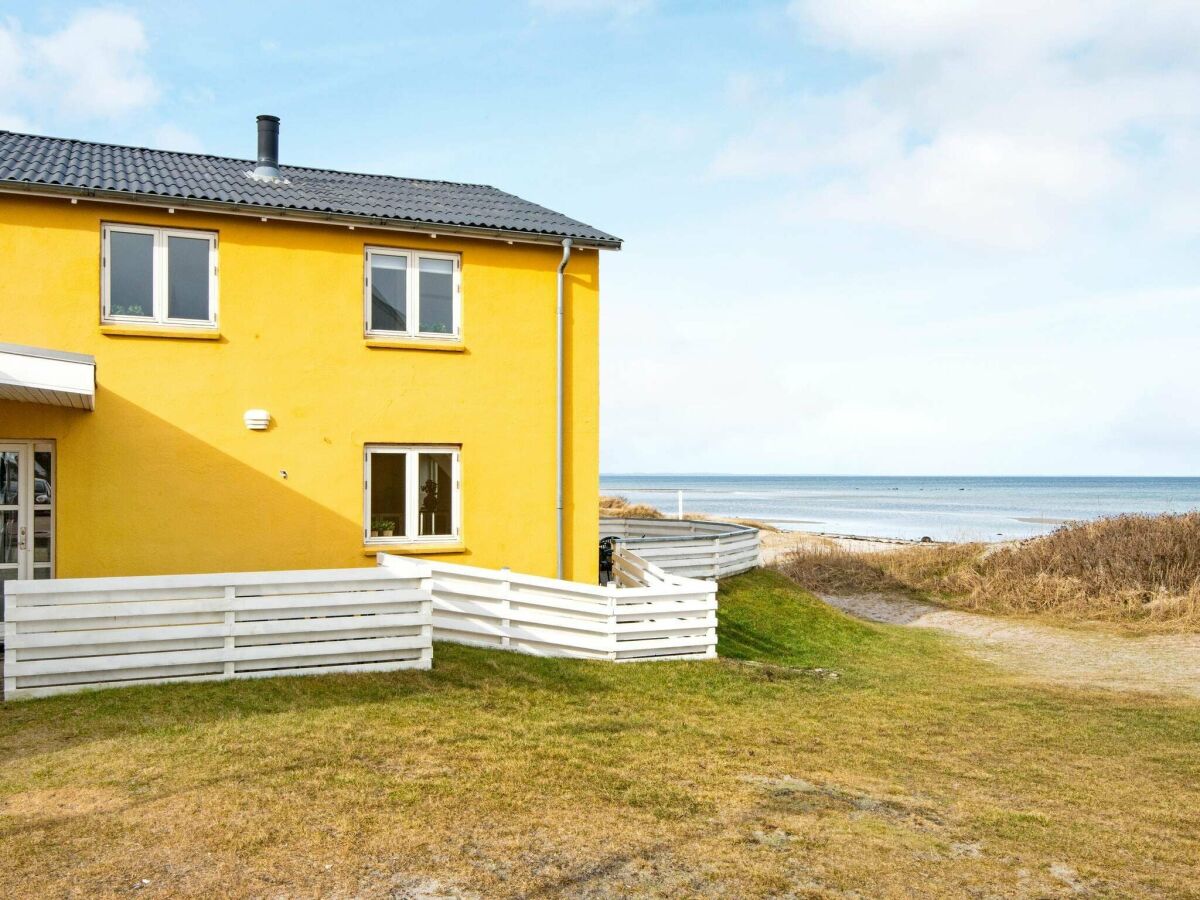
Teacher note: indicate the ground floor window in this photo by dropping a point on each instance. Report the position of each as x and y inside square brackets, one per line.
[411, 493]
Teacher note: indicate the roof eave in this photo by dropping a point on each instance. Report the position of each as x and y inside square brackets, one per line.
[298, 215]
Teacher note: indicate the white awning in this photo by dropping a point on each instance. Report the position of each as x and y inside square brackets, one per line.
[34, 375]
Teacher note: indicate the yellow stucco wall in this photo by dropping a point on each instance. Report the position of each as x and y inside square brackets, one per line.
[164, 477]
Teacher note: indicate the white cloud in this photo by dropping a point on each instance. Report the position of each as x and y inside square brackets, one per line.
[993, 122]
[95, 66]
[92, 68]
[1009, 190]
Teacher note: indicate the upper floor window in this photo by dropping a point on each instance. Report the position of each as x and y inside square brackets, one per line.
[159, 276]
[412, 293]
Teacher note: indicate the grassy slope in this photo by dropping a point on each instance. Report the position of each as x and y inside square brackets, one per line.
[916, 771]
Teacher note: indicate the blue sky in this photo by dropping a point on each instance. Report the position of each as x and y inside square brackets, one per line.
[863, 236]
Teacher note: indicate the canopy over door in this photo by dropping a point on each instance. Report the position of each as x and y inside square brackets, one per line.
[34, 375]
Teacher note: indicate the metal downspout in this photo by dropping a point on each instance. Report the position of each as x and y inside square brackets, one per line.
[559, 398]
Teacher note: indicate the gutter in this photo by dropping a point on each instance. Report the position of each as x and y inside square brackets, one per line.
[297, 215]
[559, 409]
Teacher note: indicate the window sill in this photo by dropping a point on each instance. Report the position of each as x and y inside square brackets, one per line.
[416, 344]
[429, 549]
[187, 334]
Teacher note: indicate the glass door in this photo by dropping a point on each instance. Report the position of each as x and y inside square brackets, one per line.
[26, 510]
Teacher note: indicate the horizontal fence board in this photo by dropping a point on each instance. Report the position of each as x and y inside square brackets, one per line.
[561, 638]
[72, 626]
[419, 661]
[89, 586]
[564, 603]
[119, 661]
[461, 606]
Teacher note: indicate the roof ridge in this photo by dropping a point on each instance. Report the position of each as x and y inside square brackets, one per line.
[248, 162]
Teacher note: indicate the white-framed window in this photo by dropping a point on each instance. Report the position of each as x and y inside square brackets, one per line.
[412, 293]
[158, 276]
[411, 493]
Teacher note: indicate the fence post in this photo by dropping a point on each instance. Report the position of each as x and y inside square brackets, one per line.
[612, 623]
[230, 596]
[10, 632]
[427, 630]
[505, 608]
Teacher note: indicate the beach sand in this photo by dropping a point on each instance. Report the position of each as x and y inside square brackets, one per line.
[776, 544]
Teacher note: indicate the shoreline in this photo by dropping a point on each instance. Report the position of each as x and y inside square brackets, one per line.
[775, 544]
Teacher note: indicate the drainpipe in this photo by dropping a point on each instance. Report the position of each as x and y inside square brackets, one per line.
[559, 407]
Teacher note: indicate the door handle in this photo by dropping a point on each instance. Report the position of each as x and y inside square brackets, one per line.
[22, 538]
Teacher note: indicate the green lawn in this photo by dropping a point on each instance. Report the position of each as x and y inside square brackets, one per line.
[916, 771]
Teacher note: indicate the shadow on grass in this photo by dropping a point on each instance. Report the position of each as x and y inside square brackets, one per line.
[28, 727]
[739, 640]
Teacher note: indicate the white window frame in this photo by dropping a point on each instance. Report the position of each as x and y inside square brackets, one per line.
[412, 314]
[412, 488]
[161, 261]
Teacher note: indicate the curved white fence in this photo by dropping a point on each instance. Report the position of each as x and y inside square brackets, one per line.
[687, 547]
[656, 616]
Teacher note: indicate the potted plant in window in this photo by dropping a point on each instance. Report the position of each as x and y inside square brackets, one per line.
[381, 527]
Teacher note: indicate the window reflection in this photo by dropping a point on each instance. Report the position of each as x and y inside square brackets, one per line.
[436, 475]
[388, 487]
[131, 279]
[9, 482]
[437, 296]
[389, 293]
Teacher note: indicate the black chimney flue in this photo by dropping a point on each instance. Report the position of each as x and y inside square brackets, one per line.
[268, 147]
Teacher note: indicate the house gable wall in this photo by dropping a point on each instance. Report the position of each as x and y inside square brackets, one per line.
[164, 477]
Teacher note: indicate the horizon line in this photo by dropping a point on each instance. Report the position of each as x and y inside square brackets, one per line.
[859, 475]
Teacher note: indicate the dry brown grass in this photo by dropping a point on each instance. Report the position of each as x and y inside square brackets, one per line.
[1140, 572]
[620, 508]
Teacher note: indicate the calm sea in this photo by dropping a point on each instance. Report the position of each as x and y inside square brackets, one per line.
[909, 507]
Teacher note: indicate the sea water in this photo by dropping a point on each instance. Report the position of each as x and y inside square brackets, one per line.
[942, 508]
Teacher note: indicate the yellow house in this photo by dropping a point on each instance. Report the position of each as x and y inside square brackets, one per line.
[212, 364]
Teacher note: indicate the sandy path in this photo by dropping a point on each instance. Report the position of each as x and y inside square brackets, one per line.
[1167, 664]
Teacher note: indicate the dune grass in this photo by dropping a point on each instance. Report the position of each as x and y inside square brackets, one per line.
[1138, 572]
[914, 772]
[620, 508]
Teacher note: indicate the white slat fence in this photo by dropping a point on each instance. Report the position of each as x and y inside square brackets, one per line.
[693, 549]
[657, 616]
[70, 634]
